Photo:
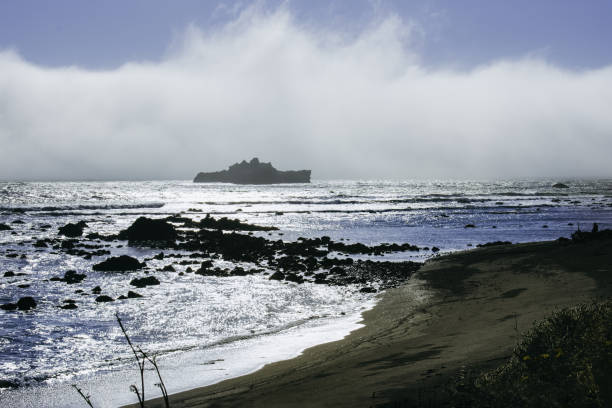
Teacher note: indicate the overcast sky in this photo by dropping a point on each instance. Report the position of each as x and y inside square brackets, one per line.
[351, 89]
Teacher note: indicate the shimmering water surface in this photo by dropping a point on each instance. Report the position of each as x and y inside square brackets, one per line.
[208, 328]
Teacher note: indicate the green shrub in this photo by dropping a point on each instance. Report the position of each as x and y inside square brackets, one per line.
[564, 361]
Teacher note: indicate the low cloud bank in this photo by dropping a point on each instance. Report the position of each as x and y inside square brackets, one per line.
[359, 106]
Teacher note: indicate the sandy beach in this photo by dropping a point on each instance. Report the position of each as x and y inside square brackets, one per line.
[480, 300]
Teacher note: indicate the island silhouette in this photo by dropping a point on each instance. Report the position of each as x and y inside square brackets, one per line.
[253, 172]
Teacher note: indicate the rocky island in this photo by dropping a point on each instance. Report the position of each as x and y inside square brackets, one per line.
[253, 172]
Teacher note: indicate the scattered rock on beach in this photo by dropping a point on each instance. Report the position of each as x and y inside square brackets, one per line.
[8, 306]
[119, 263]
[292, 277]
[367, 289]
[97, 290]
[4, 227]
[72, 229]
[26, 303]
[104, 298]
[70, 277]
[69, 306]
[8, 384]
[277, 276]
[147, 229]
[133, 295]
[146, 281]
[9, 274]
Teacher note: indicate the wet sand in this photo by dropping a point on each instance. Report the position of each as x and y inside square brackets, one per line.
[480, 301]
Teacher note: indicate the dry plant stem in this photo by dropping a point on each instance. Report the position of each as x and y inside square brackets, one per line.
[85, 397]
[141, 364]
[161, 384]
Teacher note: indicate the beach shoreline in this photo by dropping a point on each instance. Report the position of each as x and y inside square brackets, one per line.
[484, 299]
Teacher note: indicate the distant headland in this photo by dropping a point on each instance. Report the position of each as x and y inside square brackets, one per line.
[253, 172]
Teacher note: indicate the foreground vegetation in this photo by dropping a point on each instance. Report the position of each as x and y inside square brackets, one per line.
[563, 361]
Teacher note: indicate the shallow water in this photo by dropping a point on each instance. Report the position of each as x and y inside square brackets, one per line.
[216, 317]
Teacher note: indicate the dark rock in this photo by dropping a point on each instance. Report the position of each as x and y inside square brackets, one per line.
[40, 244]
[560, 185]
[119, 263]
[320, 278]
[70, 277]
[494, 243]
[122, 297]
[104, 298]
[146, 229]
[69, 306]
[18, 222]
[470, 226]
[146, 281]
[336, 270]
[231, 225]
[292, 277]
[133, 295]
[8, 384]
[277, 276]
[581, 236]
[8, 306]
[238, 271]
[4, 227]
[9, 274]
[73, 230]
[359, 248]
[169, 268]
[26, 303]
[23, 286]
[254, 172]
[367, 289]
[206, 264]
[68, 244]
[97, 290]
[435, 249]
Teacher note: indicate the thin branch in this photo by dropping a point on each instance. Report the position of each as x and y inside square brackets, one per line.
[141, 365]
[134, 389]
[161, 384]
[85, 397]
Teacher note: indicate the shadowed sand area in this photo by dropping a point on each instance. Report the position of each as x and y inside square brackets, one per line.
[404, 352]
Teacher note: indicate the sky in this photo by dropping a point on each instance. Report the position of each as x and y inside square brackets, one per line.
[357, 89]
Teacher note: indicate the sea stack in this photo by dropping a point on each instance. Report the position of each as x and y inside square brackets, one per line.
[253, 172]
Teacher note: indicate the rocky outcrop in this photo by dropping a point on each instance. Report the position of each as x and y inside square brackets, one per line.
[70, 277]
[146, 281]
[25, 303]
[560, 185]
[72, 229]
[120, 264]
[146, 229]
[254, 172]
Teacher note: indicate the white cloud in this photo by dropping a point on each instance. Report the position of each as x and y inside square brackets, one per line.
[345, 106]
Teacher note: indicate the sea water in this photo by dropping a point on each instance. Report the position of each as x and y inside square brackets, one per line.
[206, 329]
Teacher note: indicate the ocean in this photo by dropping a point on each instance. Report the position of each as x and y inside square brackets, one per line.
[205, 328]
